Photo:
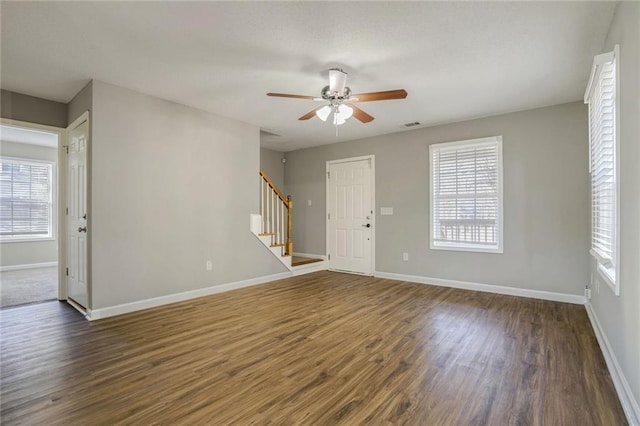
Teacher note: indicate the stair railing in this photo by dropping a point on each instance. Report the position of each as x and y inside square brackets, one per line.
[276, 214]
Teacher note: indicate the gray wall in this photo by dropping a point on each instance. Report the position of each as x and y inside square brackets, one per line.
[620, 316]
[172, 187]
[80, 103]
[271, 162]
[29, 252]
[546, 200]
[16, 106]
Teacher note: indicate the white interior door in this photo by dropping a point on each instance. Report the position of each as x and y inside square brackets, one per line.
[350, 215]
[77, 143]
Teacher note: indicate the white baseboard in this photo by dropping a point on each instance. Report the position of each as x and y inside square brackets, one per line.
[95, 314]
[487, 288]
[310, 256]
[628, 402]
[27, 266]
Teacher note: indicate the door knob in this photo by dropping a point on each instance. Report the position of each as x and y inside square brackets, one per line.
[368, 225]
[82, 229]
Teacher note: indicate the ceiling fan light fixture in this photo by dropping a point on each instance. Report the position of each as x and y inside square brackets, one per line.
[323, 113]
[337, 120]
[341, 114]
[344, 112]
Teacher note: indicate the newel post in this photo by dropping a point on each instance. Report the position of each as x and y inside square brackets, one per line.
[289, 242]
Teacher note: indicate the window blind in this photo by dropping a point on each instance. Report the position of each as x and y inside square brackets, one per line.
[25, 198]
[465, 195]
[602, 128]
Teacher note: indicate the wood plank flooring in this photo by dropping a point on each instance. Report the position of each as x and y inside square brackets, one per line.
[323, 348]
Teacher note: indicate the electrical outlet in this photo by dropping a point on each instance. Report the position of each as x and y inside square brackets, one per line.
[308, 202]
[587, 293]
[209, 265]
[405, 257]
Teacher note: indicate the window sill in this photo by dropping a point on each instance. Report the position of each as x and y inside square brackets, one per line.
[466, 248]
[607, 276]
[607, 273]
[26, 240]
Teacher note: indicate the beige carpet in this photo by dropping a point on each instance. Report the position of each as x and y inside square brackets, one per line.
[28, 286]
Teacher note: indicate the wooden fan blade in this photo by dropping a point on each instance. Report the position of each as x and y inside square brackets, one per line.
[286, 95]
[381, 96]
[360, 114]
[310, 114]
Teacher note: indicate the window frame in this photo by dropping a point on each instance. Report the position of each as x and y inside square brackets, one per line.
[608, 269]
[458, 246]
[51, 236]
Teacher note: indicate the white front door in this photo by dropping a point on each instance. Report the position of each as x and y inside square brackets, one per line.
[77, 213]
[350, 215]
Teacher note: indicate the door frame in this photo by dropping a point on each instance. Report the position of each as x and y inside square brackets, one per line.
[372, 160]
[60, 196]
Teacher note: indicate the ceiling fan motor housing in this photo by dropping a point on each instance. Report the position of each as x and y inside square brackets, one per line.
[327, 95]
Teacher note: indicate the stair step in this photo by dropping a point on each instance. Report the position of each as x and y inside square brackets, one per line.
[278, 245]
[299, 260]
[264, 234]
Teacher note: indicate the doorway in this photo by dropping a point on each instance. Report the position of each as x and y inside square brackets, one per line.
[29, 203]
[350, 215]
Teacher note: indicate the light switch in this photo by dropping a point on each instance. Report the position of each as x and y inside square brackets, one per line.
[386, 211]
[308, 202]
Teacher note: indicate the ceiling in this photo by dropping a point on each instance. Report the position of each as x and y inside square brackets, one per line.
[457, 60]
[28, 136]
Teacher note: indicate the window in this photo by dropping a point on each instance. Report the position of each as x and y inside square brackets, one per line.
[601, 96]
[466, 195]
[26, 199]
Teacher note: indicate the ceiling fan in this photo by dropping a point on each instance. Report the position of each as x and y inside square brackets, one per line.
[340, 100]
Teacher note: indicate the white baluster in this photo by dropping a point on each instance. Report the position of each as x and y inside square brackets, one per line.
[268, 209]
[273, 210]
[281, 227]
[262, 202]
[268, 195]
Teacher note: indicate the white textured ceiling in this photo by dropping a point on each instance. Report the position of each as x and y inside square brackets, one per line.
[457, 60]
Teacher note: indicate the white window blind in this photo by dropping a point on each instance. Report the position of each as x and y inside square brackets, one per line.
[25, 199]
[601, 96]
[466, 195]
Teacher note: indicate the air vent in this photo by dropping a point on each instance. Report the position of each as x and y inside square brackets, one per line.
[415, 123]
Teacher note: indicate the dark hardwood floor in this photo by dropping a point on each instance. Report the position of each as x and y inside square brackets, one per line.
[323, 348]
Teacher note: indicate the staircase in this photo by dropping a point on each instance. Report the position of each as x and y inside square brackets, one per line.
[273, 228]
[273, 225]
